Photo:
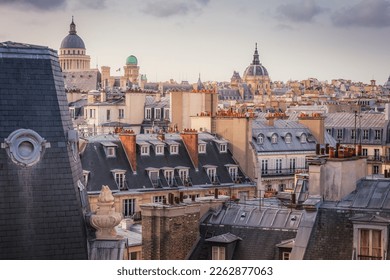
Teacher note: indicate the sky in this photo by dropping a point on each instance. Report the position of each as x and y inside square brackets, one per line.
[185, 39]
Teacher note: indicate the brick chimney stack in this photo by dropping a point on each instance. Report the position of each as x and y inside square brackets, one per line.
[129, 143]
[190, 140]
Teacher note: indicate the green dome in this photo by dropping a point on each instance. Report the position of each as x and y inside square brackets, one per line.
[131, 60]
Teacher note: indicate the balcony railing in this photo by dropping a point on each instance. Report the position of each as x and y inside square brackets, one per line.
[282, 172]
[378, 159]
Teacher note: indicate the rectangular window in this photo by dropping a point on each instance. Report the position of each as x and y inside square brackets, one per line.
[128, 207]
[174, 149]
[159, 150]
[108, 115]
[183, 174]
[264, 166]
[148, 113]
[144, 150]
[278, 165]
[222, 148]
[376, 154]
[154, 178]
[157, 113]
[286, 255]
[353, 134]
[365, 134]
[339, 133]
[212, 173]
[169, 176]
[202, 148]
[166, 114]
[364, 152]
[110, 152]
[370, 244]
[158, 199]
[92, 113]
[378, 134]
[233, 172]
[120, 180]
[218, 253]
[329, 131]
[375, 169]
[121, 113]
[293, 162]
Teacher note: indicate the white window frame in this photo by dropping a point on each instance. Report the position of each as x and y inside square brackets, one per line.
[157, 113]
[212, 173]
[128, 207]
[202, 148]
[260, 139]
[166, 114]
[339, 132]
[121, 113]
[357, 237]
[120, 178]
[153, 173]
[378, 134]
[233, 172]
[183, 174]
[223, 148]
[174, 149]
[145, 150]
[92, 113]
[148, 113]
[303, 138]
[218, 253]
[288, 138]
[158, 198]
[159, 149]
[264, 166]
[278, 165]
[169, 175]
[274, 138]
[366, 134]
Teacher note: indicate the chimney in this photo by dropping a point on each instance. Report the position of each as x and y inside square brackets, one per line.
[103, 96]
[129, 143]
[190, 140]
[270, 119]
[316, 124]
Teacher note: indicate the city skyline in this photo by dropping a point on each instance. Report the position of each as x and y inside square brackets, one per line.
[184, 39]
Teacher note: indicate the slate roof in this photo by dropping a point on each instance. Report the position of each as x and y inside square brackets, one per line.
[281, 128]
[94, 160]
[83, 80]
[41, 213]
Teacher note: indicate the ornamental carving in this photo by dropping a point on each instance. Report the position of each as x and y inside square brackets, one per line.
[106, 219]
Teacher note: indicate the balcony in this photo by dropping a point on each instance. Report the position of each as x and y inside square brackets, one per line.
[282, 172]
[378, 159]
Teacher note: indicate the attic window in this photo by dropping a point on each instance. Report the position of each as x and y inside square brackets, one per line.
[233, 171]
[109, 149]
[274, 138]
[260, 139]
[223, 148]
[303, 138]
[144, 148]
[202, 148]
[154, 176]
[211, 171]
[287, 139]
[174, 149]
[119, 176]
[86, 176]
[159, 149]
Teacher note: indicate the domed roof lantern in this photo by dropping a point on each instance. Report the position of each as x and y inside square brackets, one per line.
[72, 29]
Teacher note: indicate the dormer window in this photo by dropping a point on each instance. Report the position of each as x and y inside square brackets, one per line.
[183, 175]
[211, 171]
[159, 149]
[274, 138]
[233, 171]
[260, 139]
[222, 145]
[109, 149]
[169, 176]
[303, 138]
[288, 138]
[202, 148]
[119, 176]
[148, 113]
[154, 176]
[157, 113]
[174, 149]
[86, 176]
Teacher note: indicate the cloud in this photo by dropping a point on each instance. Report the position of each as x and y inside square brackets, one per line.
[367, 13]
[303, 11]
[165, 9]
[36, 4]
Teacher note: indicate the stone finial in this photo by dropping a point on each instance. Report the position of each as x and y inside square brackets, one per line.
[106, 219]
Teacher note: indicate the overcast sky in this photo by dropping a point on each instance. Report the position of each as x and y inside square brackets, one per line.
[180, 39]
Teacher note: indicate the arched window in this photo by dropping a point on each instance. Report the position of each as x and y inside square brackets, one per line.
[274, 138]
[288, 138]
[260, 139]
[303, 138]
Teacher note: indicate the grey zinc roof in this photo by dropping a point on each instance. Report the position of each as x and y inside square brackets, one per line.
[369, 194]
[255, 216]
[224, 238]
[343, 120]
[84, 80]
